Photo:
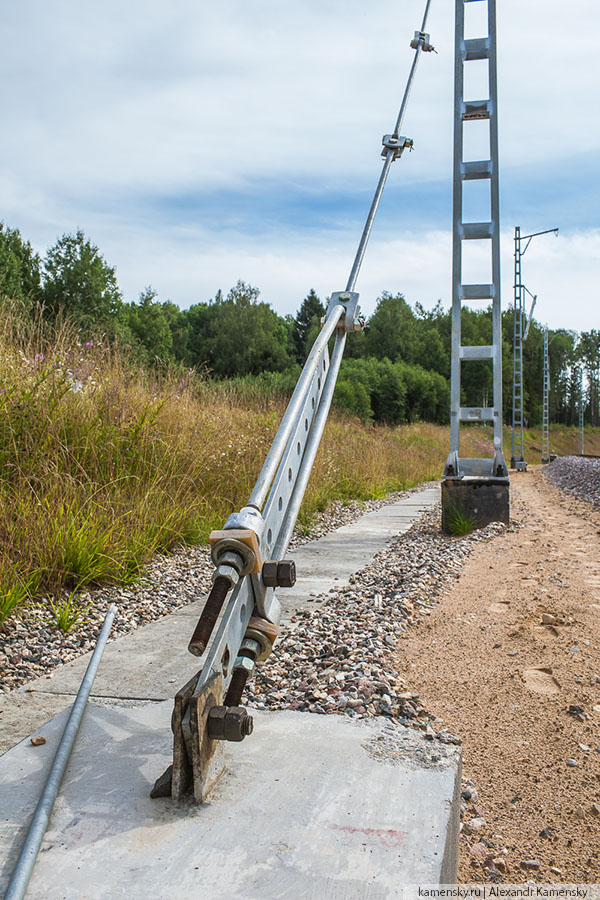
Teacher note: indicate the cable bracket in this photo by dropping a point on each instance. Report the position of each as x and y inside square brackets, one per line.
[397, 144]
[421, 39]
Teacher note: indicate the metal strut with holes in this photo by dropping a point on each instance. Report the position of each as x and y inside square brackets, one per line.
[239, 622]
[488, 232]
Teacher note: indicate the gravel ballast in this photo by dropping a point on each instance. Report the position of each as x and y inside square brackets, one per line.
[576, 475]
[32, 645]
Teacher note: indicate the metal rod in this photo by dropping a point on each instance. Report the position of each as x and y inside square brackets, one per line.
[389, 158]
[35, 835]
[310, 452]
[263, 483]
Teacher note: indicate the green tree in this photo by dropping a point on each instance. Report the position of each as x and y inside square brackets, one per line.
[306, 324]
[20, 277]
[79, 282]
[246, 336]
[391, 329]
[149, 324]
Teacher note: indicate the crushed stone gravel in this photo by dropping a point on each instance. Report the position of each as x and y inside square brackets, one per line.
[576, 475]
[32, 645]
[338, 659]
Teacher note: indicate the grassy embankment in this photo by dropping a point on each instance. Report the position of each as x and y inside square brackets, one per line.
[102, 465]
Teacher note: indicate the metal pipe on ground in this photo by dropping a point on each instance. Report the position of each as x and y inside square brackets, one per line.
[35, 835]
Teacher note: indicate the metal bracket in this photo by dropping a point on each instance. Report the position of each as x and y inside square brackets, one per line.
[352, 320]
[396, 143]
[421, 39]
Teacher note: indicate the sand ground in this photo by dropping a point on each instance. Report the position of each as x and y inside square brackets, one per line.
[510, 661]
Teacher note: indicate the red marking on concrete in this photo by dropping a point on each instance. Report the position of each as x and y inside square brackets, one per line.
[378, 837]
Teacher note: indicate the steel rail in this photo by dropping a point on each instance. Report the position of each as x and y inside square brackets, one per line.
[37, 829]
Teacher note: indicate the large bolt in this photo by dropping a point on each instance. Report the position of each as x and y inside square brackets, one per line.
[229, 723]
[209, 616]
[279, 574]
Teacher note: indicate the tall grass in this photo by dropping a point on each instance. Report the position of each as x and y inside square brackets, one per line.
[102, 464]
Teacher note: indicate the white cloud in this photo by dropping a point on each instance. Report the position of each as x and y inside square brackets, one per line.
[109, 107]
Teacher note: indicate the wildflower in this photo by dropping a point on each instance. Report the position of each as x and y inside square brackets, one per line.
[89, 343]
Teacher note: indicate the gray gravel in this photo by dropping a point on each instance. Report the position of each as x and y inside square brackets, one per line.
[339, 658]
[31, 644]
[576, 475]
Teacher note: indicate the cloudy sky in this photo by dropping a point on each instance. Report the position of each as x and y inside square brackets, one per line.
[198, 143]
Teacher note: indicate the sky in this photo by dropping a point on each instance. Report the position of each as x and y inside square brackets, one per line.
[200, 143]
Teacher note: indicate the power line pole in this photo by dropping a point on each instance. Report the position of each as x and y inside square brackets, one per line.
[546, 403]
[477, 486]
[581, 411]
[517, 460]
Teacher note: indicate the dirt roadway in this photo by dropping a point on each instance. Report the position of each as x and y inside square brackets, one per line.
[488, 666]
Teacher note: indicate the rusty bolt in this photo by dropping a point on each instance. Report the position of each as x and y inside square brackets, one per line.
[229, 723]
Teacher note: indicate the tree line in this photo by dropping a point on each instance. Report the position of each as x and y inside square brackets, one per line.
[397, 370]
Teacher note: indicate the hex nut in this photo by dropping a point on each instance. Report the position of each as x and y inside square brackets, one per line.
[223, 571]
[245, 663]
[229, 723]
[269, 573]
[279, 574]
[286, 573]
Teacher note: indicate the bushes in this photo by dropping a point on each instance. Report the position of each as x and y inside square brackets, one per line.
[382, 391]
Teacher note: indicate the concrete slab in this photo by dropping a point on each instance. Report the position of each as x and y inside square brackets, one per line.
[21, 713]
[311, 807]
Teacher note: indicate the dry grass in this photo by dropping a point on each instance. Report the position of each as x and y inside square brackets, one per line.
[103, 465]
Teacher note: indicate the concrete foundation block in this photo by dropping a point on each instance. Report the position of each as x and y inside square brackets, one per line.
[310, 806]
[484, 500]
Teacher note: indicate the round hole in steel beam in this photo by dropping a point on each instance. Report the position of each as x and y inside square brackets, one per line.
[306, 424]
[280, 504]
[298, 448]
[289, 474]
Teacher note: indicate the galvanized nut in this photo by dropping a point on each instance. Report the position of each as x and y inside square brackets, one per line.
[222, 571]
[229, 723]
[251, 645]
[245, 663]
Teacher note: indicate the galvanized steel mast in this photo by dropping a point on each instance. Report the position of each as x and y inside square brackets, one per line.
[546, 403]
[487, 230]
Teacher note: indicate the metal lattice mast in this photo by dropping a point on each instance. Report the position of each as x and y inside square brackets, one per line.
[517, 460]
[465, 112]
[516, 455]
[581, 412]
[546, 403]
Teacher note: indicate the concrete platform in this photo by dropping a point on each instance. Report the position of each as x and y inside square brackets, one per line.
[317, 807]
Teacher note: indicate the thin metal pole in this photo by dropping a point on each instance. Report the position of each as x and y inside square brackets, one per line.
[35, 835]
[389, 158]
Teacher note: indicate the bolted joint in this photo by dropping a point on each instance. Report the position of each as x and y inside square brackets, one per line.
[279, 574]
[244, 664]
[421, 39]
[264, 634]
[229, 723]
[396, 143]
